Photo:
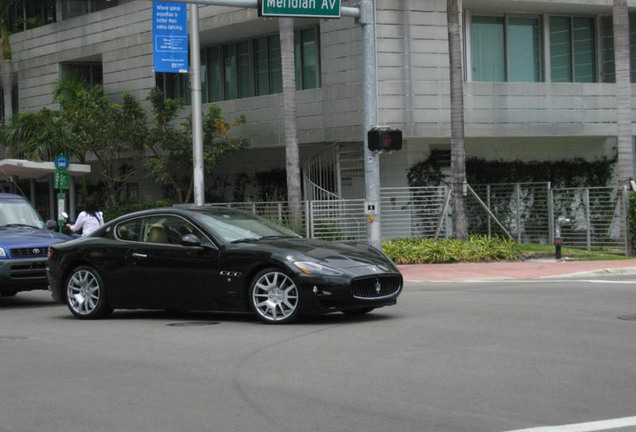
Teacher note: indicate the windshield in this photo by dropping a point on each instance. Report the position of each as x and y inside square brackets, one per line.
[236, 227]
[18, 213]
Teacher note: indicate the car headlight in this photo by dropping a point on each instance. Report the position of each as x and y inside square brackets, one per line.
[313, 268]
[3, 254]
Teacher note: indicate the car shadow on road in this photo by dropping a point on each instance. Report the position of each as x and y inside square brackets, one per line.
[25, 301]
[199, 318]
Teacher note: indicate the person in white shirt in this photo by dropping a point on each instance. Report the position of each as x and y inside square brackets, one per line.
[88, 220]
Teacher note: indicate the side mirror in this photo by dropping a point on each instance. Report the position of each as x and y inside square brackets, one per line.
[190, 240]
[51, 225]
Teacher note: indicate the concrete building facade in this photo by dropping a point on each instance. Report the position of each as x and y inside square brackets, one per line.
[539, 81]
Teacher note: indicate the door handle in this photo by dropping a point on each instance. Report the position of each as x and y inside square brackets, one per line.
[139, 255]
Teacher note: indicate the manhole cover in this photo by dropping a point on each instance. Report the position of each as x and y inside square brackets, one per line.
[12, 338]
[193, 324]
[631, 317]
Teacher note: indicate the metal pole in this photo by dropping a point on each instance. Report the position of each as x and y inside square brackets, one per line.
[197, 120]
[370, 103]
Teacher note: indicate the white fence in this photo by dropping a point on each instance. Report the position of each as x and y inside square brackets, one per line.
[526, 211]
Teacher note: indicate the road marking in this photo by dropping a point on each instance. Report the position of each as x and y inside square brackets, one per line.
[585, 427]
[608, 282]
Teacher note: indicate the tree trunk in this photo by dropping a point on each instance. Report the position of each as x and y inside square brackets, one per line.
[458, 151]
[623, 93]
[292, 160]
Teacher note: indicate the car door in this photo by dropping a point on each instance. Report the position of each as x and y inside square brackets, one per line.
[168, 274]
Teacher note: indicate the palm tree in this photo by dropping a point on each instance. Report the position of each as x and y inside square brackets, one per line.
[623, 92]
[458, 151]
[7, 7]
[292, 163]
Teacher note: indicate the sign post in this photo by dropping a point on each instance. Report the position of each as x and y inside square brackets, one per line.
[61, 182]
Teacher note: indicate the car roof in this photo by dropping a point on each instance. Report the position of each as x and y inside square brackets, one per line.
[11, 196]
[184, 209]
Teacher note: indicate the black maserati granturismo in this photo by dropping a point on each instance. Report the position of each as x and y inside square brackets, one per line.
[217, 259]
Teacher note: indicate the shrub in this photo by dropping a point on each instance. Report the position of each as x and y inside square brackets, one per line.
[477, 248]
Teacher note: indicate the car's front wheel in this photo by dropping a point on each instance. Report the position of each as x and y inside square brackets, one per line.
[274, 296]
[86, 294]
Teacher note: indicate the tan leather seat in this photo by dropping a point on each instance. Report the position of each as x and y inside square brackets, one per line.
[157, 234]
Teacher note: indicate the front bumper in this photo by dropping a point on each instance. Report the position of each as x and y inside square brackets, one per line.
[23, 274]
[324, 294]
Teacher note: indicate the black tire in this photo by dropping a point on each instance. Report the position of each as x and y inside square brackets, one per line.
[86, 295]
[358, 312]
[274, 297]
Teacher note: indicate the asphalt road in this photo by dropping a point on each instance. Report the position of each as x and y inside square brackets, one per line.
[495, 357]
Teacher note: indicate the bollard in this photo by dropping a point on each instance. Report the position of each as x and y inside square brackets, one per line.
[558, 240]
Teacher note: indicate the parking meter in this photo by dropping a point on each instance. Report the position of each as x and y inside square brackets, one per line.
[558, 240]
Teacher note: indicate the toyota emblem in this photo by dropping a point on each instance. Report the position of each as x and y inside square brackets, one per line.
[36, 251]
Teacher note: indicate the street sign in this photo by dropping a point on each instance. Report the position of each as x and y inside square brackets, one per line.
[301, 8]
[170, 37]
[61, 162]
[61, 180]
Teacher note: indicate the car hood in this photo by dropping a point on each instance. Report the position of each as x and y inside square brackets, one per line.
[29, 237]
[337, 255]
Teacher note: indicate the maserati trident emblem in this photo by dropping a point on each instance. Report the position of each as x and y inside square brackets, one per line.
[378, 286]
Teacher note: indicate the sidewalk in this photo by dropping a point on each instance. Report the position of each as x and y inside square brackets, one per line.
[530, 269]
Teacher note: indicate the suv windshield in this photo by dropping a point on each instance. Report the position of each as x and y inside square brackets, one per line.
[18, 213]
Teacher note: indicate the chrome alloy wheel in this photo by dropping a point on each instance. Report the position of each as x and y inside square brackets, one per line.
[83, 292]
[275, 297]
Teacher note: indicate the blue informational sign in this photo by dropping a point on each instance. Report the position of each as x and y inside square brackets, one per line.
[61, 162]
[170, 37]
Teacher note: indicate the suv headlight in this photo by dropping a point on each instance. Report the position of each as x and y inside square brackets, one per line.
[3, 254]
[313, 268]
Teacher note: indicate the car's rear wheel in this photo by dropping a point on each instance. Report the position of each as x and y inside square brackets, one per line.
[274, 297]
[86, 294]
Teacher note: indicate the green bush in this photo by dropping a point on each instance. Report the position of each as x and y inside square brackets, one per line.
[475, 249]
[631, 220]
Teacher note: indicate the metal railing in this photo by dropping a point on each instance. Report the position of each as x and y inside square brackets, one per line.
[525, 211]
[598, 215]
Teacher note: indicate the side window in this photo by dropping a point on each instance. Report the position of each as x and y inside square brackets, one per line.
[169, 230]
[130, 230]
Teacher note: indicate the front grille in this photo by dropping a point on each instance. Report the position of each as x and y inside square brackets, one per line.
[376, 287]
[28, 270]
[30, 252]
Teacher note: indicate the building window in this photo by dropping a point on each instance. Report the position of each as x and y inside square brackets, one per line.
[174, 85]
[511, 48]
[506, 49]
[306, 59]
[572, 49]
[236, 61]
[608, 71]
[14, 99]
[90, 72]
[248, 68]
[73, 8]
[267, 66]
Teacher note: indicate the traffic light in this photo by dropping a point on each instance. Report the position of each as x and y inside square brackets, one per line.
[384, 139]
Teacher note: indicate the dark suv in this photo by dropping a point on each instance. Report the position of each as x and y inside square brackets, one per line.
[24, 246]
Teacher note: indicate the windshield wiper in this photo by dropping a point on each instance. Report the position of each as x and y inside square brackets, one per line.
[246, 240]
[275, 237]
